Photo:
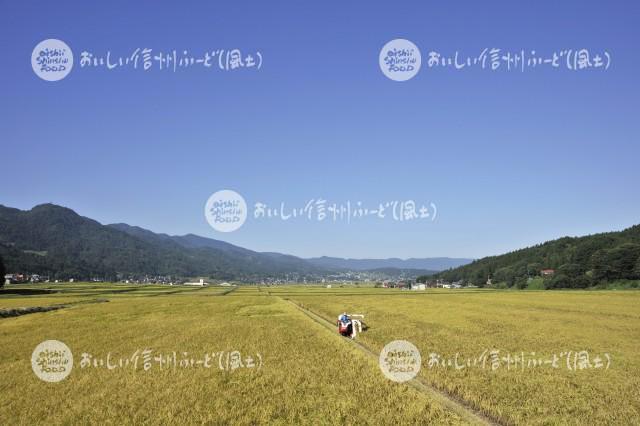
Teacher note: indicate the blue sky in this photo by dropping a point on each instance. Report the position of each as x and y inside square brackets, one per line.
[509, 158]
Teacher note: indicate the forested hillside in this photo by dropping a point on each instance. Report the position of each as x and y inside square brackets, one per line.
[577, 262]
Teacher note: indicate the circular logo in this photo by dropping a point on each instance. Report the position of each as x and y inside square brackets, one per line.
[52, 361]
[52, 59]
[226, 211]
[400, 361]
[400, 59]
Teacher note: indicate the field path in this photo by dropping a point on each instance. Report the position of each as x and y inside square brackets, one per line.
[456, 405]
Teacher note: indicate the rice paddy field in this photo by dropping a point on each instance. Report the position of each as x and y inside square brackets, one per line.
[270, 355]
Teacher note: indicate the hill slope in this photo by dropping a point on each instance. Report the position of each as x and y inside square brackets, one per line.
[54, 240]
[577, 262]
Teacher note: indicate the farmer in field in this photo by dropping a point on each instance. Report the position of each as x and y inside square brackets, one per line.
[345, 326]
[348, 325]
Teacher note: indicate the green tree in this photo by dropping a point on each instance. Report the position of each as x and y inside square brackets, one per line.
[522, 283]
[636, 269]
[559, 280]
[2, 272]
[581, 281]
[479, 278]
[506, 275]
[533, 269]
[572, 270]
[622, 260]
[600, 265]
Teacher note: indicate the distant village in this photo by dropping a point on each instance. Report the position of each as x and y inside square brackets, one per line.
[394, 279]
[413, 285]
[338, 280]
[368, 278]
[20, 278]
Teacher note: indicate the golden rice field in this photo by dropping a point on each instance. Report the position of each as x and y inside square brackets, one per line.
[292, 369]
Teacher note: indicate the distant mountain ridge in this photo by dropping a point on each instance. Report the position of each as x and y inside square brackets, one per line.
[265, 262]
[431, 264]
[56, 241]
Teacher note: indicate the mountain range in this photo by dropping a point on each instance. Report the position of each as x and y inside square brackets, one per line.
[433, 263]
[56, 241]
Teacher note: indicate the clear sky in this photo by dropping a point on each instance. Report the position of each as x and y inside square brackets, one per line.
[509, 158]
